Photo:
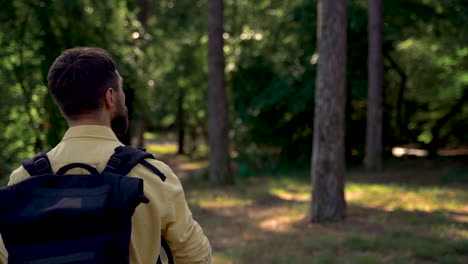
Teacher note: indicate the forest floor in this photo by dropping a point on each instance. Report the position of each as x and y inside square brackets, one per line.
[415, 211]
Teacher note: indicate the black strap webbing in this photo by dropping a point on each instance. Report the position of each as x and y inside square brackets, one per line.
[166, 248]
[126, 158]
[165, 245]
[38, 165]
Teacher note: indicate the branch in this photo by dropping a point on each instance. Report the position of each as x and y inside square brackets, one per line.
[432, 146]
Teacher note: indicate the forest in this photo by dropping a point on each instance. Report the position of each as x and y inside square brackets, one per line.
[235, 90]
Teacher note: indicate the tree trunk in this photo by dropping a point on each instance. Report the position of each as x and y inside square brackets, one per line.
[220, 167]
[145, 7]
[328, 157]
[373, 159]
[402, 126]
[180, 123]
[141, 123]
[140, 132]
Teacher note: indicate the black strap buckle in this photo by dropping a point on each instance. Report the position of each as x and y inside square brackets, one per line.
[41, 165]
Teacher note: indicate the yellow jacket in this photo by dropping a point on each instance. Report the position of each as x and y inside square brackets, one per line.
[167, 214]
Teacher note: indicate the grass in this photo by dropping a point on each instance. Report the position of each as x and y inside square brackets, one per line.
[166, 149]
[414, 212]
[266, 220]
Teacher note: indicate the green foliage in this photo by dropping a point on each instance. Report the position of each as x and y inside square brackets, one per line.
[270, 52]
[461, 247]
[273, 82]
[33, 33]
[365, 259]
[324, 259]
[362, 243]
[455, 176]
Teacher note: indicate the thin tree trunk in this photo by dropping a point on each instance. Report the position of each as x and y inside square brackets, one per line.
[141, 124]
[373, 159]
[328, 157]
[220, 164]
[145, 7]
[180, 123]
[141, 129]
[401, 124]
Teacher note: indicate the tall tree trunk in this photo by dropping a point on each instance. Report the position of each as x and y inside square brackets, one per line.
[373, 159]
[328, 157]
[220, 164]
[141, 122]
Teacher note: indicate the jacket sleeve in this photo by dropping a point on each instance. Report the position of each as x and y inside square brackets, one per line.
[184, 235]
[18, 175]
[3, 252]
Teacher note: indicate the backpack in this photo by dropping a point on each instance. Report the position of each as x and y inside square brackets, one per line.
[53, 218]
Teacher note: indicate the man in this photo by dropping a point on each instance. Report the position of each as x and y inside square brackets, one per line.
[88, 91]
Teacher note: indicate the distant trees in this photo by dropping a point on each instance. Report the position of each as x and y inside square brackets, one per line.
[328, 157]
[161, 49]
[373, 158]
[220, 161]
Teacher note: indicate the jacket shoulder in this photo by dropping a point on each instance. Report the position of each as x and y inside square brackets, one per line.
[18, 175]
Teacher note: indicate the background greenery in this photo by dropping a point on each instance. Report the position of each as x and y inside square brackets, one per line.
[414, 211]
[270, 49]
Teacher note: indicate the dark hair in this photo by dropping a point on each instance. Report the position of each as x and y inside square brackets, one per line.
[79, 77]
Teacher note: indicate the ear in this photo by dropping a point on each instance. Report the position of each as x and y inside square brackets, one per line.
[109, 98]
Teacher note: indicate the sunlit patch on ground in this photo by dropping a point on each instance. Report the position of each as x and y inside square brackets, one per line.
[192, 165]
[391, 197]
[162, 149]
[221, 202]
[461, 216]
[290, 196]
[221, 259]
[400, 151]
[281, 223]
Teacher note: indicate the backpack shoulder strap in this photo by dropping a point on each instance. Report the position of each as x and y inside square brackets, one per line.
[125, 158]
[38, 165]
[122, 162]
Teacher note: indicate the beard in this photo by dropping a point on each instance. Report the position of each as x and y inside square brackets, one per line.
[120, 123]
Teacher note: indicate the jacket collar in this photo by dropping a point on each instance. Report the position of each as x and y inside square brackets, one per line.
[93, 131]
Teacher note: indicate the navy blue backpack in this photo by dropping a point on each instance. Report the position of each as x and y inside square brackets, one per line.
[53, 218]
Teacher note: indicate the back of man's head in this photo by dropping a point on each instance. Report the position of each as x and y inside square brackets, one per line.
[79, 78]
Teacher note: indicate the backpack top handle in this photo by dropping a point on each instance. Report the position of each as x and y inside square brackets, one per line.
[70, 166]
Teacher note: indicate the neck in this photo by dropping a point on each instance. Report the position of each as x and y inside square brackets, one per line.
[97, 119]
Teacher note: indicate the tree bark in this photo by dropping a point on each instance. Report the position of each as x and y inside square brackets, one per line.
[328, 157]
[373, 159]
[145, 7]
[181, 123]
[140, 132]
[218, 119]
